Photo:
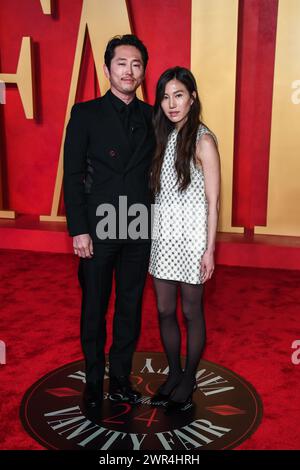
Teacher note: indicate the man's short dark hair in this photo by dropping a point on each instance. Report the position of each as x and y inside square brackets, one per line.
[125, 40]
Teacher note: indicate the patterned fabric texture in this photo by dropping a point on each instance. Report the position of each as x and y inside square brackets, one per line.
[179, 234]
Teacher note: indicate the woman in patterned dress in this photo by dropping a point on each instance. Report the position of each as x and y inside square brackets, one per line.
[185, 178]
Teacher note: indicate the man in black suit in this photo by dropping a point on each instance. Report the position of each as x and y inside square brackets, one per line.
[108, 149]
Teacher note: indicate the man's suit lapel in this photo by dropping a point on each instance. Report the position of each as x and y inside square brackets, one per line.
[111, 126]
[139, 152]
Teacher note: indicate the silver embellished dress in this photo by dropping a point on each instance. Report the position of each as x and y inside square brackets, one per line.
[179, 232]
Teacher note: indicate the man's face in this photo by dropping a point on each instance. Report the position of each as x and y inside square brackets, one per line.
[126, 70]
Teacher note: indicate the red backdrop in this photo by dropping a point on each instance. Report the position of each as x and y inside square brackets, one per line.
[30, 148]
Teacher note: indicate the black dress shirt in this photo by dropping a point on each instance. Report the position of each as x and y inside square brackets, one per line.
[131, 118]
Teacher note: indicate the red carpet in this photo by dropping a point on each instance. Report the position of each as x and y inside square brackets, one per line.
[252, 319]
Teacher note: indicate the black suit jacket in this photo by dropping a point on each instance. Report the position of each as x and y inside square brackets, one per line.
[95, 170]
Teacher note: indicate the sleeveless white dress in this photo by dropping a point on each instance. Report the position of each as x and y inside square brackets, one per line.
[179, 232]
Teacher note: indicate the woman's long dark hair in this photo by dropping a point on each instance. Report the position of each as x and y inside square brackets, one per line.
[186, 138]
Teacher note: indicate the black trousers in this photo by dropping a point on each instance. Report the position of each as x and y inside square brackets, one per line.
[130, 262]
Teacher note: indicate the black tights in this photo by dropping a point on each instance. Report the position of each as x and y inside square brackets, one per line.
[192, 306]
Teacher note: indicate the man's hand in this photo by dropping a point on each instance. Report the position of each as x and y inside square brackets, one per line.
[83, 246]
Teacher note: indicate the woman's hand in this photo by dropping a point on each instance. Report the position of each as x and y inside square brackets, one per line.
[207, 266]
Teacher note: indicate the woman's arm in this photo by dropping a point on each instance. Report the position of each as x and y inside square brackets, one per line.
[207, 156]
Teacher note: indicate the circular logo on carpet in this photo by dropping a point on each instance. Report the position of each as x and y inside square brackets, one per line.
[226, 411]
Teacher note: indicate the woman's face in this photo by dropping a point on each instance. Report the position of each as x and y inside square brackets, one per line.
[176, 102]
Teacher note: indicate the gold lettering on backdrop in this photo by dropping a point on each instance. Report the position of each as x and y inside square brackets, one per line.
[213, 54]
[283, 216]
[295, 94]
[46, 6]
[101, 20]
[23, 79]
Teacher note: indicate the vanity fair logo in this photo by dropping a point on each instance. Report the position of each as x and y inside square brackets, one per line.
[226, 411]
[295, 358]
[2, 352]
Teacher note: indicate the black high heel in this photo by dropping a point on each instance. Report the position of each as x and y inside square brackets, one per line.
[173, 406]
[160, 399]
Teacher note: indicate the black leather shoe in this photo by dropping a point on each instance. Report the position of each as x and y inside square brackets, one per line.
[120, 389]
[174, 406]
[93, 394]
[160, 398]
